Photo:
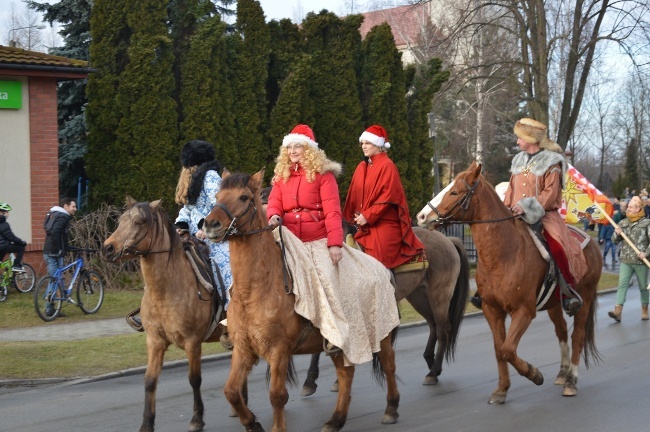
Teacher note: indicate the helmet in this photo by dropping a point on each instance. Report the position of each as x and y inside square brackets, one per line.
[5, 207]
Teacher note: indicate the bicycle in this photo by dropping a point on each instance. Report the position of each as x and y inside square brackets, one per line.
[51, 291]
[24, 282]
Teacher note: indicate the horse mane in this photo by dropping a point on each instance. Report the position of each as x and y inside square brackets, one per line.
[236, 180]
[150, 222]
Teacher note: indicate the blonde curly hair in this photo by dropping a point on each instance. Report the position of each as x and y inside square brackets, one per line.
[313, 161]
[184, 180]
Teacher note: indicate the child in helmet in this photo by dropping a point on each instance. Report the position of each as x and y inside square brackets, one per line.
[8, 240]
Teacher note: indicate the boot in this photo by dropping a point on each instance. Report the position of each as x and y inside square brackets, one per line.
[617, 312]
[225, 340]
[476, 301]
[644, 312]
[134, 321]
[571, 300]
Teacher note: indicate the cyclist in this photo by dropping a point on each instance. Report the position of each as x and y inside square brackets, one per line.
[8, 240]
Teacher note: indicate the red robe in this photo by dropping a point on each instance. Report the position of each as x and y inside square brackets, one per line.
[376, 191]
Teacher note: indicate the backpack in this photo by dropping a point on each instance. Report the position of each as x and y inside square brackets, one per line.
[48, 223]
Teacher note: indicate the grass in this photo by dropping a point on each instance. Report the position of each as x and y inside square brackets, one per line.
[96, 356]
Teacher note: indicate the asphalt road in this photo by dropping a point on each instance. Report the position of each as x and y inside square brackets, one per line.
[612, 394]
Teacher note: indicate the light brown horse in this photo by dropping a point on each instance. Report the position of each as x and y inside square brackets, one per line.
[262, 321]
[509, 275]
[175, 308]
[439, 294]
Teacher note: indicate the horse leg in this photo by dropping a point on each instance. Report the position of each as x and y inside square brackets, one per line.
[387, 361]
[577, 345]
[496, 319]
[237, 379]
[193, 351]
[345, 376]
[155, 354]
[520, 322]
[309, 387]
[420, 302]
[279, 366]
[557, 317]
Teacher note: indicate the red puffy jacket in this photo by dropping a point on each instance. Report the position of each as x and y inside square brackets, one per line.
[311, 211]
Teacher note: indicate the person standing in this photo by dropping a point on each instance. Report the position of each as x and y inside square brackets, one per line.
[57, 242]
[636, 226]
[605, 233]
[376, 202]
[8, 240]
[198, 184]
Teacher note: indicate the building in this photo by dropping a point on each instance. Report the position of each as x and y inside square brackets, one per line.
[29, 156]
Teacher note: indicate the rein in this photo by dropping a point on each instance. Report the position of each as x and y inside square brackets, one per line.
[463, 205]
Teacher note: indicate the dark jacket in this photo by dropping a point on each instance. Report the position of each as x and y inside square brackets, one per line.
[606, 232]
[7, 236]
[56, 241]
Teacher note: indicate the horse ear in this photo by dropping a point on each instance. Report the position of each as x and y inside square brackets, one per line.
[476, 170]
[225, 173]
[129, 201]
[256, 179]
[155, 204]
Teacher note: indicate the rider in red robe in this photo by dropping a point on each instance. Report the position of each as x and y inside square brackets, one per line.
[377, 203]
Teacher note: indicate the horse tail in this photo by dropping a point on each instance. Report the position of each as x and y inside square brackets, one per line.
[378, 374]
[292, 376]
[458, 299]
[590, 351]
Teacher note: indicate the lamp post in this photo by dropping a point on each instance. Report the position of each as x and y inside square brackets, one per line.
[12, 42]
[432, 134]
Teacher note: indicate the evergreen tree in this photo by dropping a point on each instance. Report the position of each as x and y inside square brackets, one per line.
[334, 45]
[73, 16]
[106, 159]
[206, 97]
[632, 164]
[285, 52]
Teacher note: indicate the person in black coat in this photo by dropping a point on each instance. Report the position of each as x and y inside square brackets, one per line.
[56, 237]
[8, 240]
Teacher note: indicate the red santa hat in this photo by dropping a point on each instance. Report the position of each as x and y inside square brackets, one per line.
[376, 135]
[300, 134]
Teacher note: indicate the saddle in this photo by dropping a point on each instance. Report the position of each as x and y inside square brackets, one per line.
[417, 263]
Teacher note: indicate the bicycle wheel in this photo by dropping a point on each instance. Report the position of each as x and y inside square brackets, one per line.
[48, 297]
[3, 293]
[90, 292]
[24, 282]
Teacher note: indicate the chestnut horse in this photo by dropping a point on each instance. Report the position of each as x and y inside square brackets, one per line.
[509, 275]
[262, 321]
[439, 294]
[175, 308]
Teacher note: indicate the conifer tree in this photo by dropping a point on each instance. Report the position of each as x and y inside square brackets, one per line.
[285, 53]
[206, 98]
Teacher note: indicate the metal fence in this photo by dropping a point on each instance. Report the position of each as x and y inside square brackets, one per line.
[462, 232]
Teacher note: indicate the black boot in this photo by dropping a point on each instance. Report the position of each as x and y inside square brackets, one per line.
[571, 300]
[134, 321]
[476, 301]
[571, 305]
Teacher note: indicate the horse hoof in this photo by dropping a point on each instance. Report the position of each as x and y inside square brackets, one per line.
[430, 380]
[196, 427]
[254, 427]
[537, 378]
[335, 387]
[497, 399]
[569, 391]
[560, 380]
[389, 419]
[308, 390]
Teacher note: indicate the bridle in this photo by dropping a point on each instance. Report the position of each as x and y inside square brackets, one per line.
[462, 205]
[235, 227]
[132, 250]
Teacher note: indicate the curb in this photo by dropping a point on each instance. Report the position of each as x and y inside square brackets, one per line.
[177, 363]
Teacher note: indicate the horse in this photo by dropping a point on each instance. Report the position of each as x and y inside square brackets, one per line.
[509, 286]
[175, 308]
[438, 293]
[262, 321]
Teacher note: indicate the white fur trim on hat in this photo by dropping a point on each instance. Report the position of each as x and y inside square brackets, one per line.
[298, 138]
[375, 139]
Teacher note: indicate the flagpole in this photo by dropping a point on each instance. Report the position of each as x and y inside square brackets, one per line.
[626, 238]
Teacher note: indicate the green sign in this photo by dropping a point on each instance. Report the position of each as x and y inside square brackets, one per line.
[11, 94]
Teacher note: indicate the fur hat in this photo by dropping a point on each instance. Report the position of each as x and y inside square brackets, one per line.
[197, 152]
[300, 134]
[535, 132]
[376, 135]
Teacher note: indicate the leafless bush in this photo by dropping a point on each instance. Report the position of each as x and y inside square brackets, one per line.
[90, 232]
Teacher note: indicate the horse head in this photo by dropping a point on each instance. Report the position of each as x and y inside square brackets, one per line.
[137, 231]
[238, 208]
[453, 202]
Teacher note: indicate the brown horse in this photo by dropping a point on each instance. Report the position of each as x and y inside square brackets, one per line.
[175, 308]
[509, 275]
[262, 321]
[439, 294]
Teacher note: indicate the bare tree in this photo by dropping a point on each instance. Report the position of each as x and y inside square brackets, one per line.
[23, 29]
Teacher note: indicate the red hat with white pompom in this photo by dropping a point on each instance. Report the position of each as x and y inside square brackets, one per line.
[300, 134]
[376, 135]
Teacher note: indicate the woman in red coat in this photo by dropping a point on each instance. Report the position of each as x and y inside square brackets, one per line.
[343, 292]
[377, 203]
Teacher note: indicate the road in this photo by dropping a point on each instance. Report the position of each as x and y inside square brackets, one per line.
[612, 394]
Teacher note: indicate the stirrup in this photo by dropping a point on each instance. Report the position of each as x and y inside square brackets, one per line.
[330, 349]
[225, 340]
[133, 322]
